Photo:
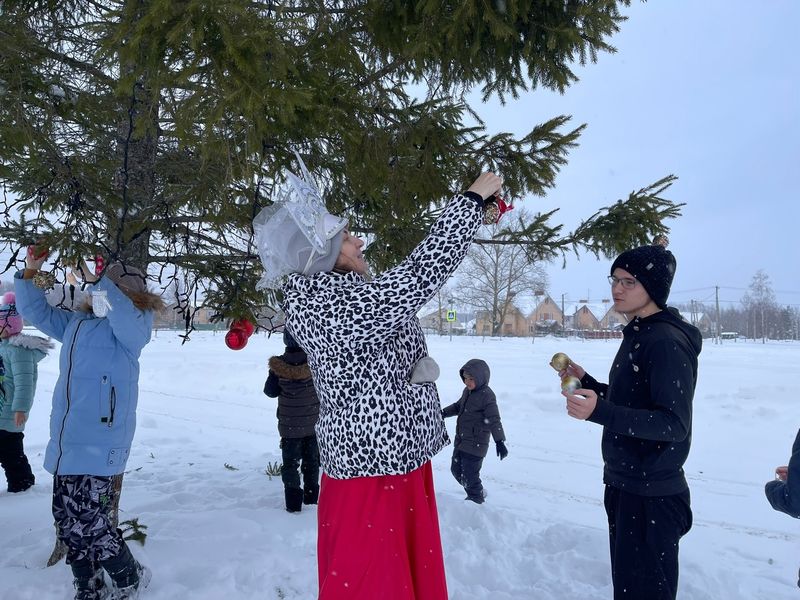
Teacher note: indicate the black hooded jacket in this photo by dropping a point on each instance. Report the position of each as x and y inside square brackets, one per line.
[477, 411]
[290, 381]
[646, 408]
[785, 495]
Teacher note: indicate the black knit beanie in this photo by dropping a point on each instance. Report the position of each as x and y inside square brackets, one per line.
[652, 266]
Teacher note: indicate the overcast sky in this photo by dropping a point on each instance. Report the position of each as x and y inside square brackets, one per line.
[709, 91]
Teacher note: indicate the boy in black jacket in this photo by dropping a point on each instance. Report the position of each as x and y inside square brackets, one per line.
[646, 414]
[290, 381]
[784, 492]
[478, 416]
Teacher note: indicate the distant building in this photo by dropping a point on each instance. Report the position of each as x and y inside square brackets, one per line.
[436, 322]
[546, 316]
[700, 320]
[514, 324]
[612, 319]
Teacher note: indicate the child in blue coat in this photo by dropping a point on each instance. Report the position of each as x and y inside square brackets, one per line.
[93, 418]
[19, 355]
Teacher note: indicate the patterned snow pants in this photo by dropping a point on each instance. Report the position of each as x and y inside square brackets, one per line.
[81, 505]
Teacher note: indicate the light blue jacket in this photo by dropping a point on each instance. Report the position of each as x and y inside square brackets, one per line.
[19, 355]
[94, 402]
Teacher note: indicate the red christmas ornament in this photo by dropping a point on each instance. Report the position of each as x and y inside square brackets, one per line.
[236, 339]
[99, 264]
[244, 325]
[240, 331]
[36, 252]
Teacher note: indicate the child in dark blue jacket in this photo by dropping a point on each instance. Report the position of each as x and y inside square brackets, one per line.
[784, 492]
[290, 382]
[478, 418]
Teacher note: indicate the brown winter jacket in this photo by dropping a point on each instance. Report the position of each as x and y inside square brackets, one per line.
[290, 381]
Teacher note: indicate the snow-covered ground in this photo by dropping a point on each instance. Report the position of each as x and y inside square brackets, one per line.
[217, 533]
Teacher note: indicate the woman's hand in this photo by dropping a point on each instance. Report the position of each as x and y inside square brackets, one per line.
[20, 418]
[486, 185]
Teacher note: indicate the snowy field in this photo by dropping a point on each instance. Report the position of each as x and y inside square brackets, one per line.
[221, 534]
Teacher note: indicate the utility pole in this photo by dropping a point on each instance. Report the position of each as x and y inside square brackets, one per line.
[449, 308]
[562, 313]
[719, 336]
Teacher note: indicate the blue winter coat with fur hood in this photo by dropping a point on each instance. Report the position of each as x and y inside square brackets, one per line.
[94, 402]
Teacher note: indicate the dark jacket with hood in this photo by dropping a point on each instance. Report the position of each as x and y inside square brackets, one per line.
[477, 411]
[785, 495]
[646, 408]
[290, 381]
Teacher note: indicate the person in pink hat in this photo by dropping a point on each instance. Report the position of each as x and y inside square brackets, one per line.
[19, 355]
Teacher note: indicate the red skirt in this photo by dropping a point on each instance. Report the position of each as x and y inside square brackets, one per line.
[378, 538]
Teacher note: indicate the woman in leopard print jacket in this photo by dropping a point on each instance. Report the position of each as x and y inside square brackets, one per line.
[378, 531]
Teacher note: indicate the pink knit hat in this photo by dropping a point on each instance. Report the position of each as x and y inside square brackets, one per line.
[10, 319]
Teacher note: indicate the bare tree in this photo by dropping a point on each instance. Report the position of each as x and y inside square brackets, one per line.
[760, 304]
[492, 275]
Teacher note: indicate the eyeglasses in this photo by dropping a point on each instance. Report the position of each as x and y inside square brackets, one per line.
[626, 282]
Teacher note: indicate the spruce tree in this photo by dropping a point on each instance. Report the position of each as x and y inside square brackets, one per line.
[153, 131]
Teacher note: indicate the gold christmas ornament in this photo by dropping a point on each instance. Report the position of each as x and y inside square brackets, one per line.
[661, 240]
[44, 280]
[560, 361]
[569, 384]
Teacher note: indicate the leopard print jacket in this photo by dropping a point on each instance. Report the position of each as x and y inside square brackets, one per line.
[363, 339]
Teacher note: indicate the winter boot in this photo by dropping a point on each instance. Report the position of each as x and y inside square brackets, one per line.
[18, 471]
[89, 583]
[311, 494]
[128, 575]
[294, 499]
[477, 499]
[21, 485]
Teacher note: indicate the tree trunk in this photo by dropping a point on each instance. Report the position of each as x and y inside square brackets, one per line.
[129, 234]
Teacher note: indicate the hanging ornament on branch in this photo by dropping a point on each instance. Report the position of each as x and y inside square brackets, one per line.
[238, 334]
[494, 208]
[42, 279]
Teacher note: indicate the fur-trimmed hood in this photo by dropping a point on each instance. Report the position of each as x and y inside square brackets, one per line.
[141, 300]
[31, 342]
[285, 370]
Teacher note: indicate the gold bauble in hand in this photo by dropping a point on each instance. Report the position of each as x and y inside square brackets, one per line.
[560, 361]
[569, 384]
